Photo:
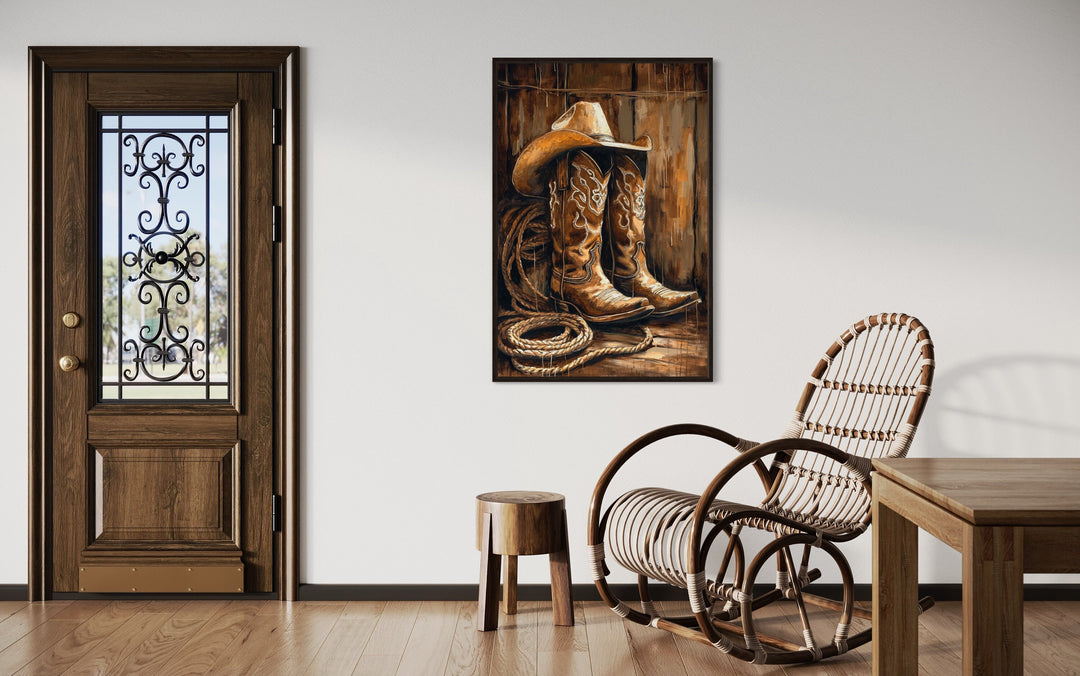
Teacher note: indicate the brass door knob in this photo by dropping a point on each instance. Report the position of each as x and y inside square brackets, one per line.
[69, 362]
[71, 319]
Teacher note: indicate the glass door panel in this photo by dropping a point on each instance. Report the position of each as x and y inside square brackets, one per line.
[165, 252]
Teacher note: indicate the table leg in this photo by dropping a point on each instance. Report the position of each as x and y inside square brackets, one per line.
[509, 597]
[562, 603]
[896, 589]
[993, 600]
[487, 615]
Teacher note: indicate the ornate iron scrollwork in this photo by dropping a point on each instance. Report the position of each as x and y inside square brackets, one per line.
[164, 258]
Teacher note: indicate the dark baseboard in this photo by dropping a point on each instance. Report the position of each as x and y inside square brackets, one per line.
[588, 592]
[541, 592]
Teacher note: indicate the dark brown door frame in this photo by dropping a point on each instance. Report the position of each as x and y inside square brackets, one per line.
[44, 61]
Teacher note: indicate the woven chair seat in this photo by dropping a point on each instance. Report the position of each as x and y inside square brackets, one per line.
[766, 520]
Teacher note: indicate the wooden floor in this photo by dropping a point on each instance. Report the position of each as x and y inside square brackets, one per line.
[265, 637]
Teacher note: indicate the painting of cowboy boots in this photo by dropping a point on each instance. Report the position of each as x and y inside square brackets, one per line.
[626, 234]
[602, 232]
[577, 191]
[577, 196]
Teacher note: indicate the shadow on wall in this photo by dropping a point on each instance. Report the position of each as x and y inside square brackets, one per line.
[1007, 406]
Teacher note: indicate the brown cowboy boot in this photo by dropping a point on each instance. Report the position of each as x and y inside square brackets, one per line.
[578, 192]
[626, 230]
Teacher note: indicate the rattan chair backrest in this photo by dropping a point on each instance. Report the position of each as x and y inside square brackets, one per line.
[865, 397]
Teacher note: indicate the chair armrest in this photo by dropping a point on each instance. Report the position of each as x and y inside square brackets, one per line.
[860, 467]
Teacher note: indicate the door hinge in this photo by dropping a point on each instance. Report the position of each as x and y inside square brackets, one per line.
[275, 514]
[276, 228]
[277, 126]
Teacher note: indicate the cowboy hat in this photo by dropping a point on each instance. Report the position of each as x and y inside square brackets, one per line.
[583, 125]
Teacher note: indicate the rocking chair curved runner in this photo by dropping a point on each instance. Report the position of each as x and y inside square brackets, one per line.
[863, 400]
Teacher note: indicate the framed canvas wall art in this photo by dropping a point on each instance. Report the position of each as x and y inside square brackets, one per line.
[602, 230]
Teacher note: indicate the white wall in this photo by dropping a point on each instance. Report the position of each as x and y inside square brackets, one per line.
[921, 157]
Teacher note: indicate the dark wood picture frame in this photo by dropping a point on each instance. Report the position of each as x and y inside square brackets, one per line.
[670, 101]
[281, 63]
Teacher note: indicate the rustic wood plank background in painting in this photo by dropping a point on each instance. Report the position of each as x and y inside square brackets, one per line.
[669, 101]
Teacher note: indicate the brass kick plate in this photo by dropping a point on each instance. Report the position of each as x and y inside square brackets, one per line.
[162, 579]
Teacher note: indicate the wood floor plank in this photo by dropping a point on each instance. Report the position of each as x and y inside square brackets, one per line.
[23, 621]
[361, 610]
[432, 635]
[609, 644]
[470, 651]
[341, 651]
[392, 631]
[251, 645]
[1051, 639]
[1059, 619]
[562, 650]
[200, 652]
[823, 625]
[295, 649]
[83, 640]
[377, 665]
[1047, 649]
[701, 660]
[83, 610]
[348, 639]
[1069, 611]
[152, 654]
[940, 638]
[199, 610]
[41, 638]
[514, 651]
[108, 654]
[10, 607]
[653, 650]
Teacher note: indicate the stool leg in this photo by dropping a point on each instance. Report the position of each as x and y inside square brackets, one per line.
[561, 601]
[509, 598]
[487, 615]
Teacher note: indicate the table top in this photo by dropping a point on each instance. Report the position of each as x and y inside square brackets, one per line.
[994, 491]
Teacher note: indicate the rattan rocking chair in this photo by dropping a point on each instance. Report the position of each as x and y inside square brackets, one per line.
[863, 400]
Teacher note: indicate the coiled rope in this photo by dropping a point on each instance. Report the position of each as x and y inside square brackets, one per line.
[525, 249]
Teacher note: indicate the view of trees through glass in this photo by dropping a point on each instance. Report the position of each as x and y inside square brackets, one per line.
[165, 278]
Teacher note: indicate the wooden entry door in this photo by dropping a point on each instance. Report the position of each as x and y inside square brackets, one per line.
[162, 328]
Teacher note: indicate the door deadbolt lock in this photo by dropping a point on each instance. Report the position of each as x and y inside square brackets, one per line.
[71, 319]
[69, 362]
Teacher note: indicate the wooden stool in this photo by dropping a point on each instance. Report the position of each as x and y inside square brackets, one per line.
[521, 523]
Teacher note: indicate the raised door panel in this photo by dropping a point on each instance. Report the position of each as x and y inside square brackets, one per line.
[160, 496]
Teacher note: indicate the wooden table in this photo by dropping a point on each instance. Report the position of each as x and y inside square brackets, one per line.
[1007, 516]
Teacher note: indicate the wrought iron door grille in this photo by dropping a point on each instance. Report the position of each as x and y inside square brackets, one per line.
[165, 251]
